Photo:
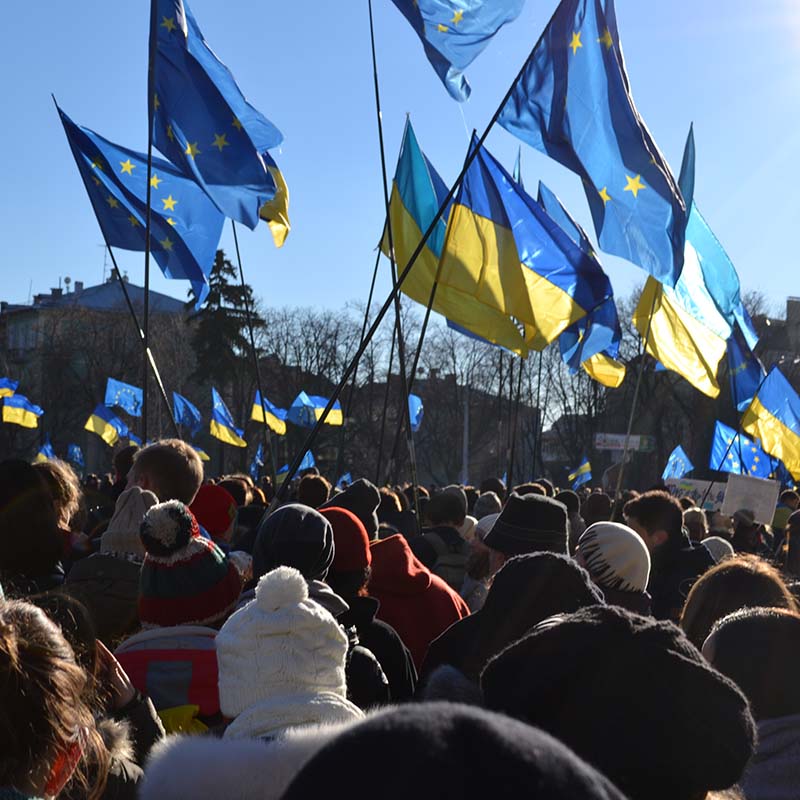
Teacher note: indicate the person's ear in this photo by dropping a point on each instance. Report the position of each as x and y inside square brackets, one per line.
[659, 537]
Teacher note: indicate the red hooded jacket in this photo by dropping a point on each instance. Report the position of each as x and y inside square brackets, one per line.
[416, 603]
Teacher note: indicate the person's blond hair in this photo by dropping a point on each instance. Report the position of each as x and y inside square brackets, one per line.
[173, 469]
[64, 487]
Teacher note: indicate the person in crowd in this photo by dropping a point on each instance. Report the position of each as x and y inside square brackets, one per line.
[349, 577]
[281, 685]
[718, 547]
[547, 485]
[478, 574]
[187, 589]
[487, 503]
[740, 581]
[393, 512]
[789, 555]
[694, 520]
[215, 511]
[301, 537]
[238, 488]
[440, 547]
[416, 603]
[788, 503]
[123, 462]
[362, 498]
[686, 502]
[494, 485]
[577, 526]
[596, 508]
[64, 487]
[675, 563]
[628, 694]
[529, 488]
[619, 563]
[48, 736]
[31, 544]
[527, 524]
[759, 650]
[472, 497]
[528, 589]
[749, 536]
[169, 468]
[313, 491]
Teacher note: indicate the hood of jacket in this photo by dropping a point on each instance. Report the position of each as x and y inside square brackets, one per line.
[396, 569]
[772, 771]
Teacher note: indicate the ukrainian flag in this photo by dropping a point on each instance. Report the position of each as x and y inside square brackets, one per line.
[275, 417]
[417, 194]
[18, 410]
[46, 452]
[7, 387]
[202, 453]
[335, 416]
[276, 211]
[774, 418]
[307, 409]
[107, 425]
[505, 250]
[583, 474]
[222, 424]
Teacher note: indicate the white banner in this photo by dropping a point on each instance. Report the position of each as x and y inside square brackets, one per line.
[696, 490]
[755, 494]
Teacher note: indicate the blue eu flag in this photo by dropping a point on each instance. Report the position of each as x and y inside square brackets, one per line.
[737, 453]
[455, 32]
[678, 464]
[257, 463]
[185, 224]
[202, 122]
[573, 102]
[415, 411]
[745, 370]
[186, 413]
[75, 455]
[123, 395]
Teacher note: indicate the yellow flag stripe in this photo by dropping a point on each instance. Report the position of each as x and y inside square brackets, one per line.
[778, 440]
[226, 435]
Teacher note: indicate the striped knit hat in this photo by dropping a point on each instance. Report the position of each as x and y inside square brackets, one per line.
[615, 556]
[185, 579]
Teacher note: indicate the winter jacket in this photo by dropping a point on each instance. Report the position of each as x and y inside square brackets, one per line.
[675, 568]
[638, 602]
[442, 550]
[773, 772]
[382, 640]
[416, 603]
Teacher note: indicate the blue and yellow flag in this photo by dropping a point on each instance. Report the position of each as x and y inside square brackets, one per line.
[202, 122]
[745, 370]
[307, 463]
[417, 194]
[258, 461]
[8, 387]
[123, 395]
[276, 211]
[734, 452]
[415, 411]
[18, 410]
[307, 409]
[109, 427]
[275, 417]
[186, 413]
[573, 102]
[773, 418]
[46, 452]
[593, 341]
[583, 474]
[185, 224]
[202, 453]
[75, 455]
[455, 32]
[222, 424]
[678, 464]
[504, 249]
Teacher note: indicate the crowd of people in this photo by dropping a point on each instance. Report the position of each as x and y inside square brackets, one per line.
[165, 635]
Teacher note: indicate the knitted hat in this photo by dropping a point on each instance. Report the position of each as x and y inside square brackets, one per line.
[467, 528]
[487, 503]
[530, 524]
[633, 697]
[351, 540]
[186, 579]
[214, 508]
[122, 533]
[718, 547]
[294, 536]
[363, 499]
[443, 751]
[485, 525]
[455, 490]
[615, 556]
[280, 644]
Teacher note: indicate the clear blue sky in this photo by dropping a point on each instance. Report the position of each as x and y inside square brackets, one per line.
[733, 68]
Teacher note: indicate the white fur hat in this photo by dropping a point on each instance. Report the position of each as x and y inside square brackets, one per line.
[615, 556]
[280, 644]
[122, 533]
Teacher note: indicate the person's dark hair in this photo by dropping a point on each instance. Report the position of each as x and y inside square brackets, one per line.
[657, 510]
[740, 581]
[30, 542]
[75, 623]
[405, 503]
[472, 497]
[123, 460]
[64, 487]
[313, 491]
[444, 508]
[173, 468]
[493, 485]
[43, 717]
[238, 490]
[530, 488]
[596, 508]
[570, 499]
[789, 496]
[350, 583]
[547, 485]
[389, 506]
[759, 650]
[686, 503]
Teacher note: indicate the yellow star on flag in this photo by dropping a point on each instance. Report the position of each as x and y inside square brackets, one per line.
[170, 134]
[112, 201]
[441, 28]
[169, 24]
[97, 163]
[457, 17]
[133, 221]
[96, 180]
[576, 42]
[156, 103]
[236, 124]
[606, 39]
[192, 149]
[166, 243]
[127, 166]
[170, 221]
[604, 194]
[169, 203]
[155, 180]
[220, 141]
[634, 185]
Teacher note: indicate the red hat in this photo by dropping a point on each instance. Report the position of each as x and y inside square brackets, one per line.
[350, 540]
[214, 508]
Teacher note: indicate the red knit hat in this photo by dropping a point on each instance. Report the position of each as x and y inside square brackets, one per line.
[214, 508]
[350, 539]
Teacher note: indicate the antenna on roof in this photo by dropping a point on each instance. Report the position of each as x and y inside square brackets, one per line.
[67, 282]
